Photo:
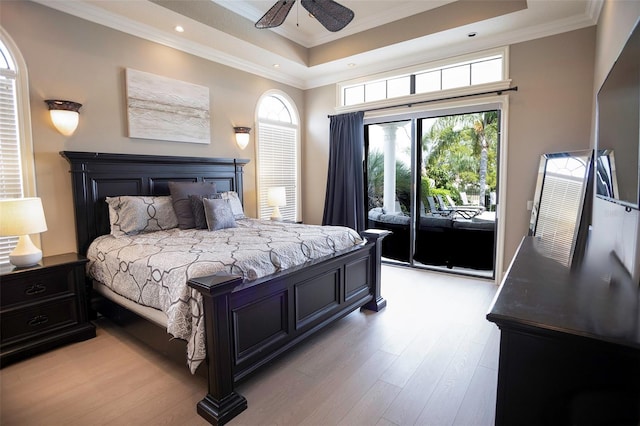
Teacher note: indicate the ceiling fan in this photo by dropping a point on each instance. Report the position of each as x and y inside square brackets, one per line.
[331, 15]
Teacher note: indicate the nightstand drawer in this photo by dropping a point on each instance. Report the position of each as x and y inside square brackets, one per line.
[38, 285]
[43, 307]
[27, 322]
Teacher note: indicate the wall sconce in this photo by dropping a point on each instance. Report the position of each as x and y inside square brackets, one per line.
[242, 136]
[65, 115]
[20, 217]
[276, 198]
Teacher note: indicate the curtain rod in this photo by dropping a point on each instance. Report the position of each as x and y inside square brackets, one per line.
[410, 104]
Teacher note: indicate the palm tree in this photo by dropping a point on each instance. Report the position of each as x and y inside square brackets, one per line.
[375, 178]
[484, 126]
[459, 146]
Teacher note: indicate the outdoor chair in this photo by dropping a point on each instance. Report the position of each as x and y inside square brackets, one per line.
[465, 212]
[466, 203]
[435, 209]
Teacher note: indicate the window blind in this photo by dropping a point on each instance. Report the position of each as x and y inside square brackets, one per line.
[559, 209]
[10, 165]
[278, 157]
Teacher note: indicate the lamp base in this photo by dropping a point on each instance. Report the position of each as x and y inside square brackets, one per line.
[276, 214]
[25, 254]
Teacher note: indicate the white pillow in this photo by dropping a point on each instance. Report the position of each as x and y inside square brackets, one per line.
[130, 215]
[234, 202]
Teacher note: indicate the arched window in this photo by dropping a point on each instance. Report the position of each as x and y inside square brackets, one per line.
[278, 153]
[17, 178]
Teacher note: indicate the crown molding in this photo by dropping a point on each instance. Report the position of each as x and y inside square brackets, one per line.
[300, 76]
[442, 49]
[594, 7]
[101, 16]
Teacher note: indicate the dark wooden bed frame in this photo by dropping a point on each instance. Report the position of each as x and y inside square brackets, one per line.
[248, 323]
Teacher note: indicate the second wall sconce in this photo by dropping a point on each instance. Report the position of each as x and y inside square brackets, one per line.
[64, 115]
[242, 136]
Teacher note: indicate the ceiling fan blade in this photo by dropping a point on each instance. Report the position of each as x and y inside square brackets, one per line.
[331, 15]
[276, 15]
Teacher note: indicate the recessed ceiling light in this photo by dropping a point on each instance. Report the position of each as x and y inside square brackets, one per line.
[472, 34]
[179, 28]
[276, 65]
[351, 65]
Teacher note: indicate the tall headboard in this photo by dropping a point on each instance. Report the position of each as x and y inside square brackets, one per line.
[95, 176]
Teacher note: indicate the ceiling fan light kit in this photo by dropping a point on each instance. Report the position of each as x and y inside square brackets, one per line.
[331, 15]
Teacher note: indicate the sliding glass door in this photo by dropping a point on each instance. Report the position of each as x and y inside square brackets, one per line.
[389, 183]
[432, 181]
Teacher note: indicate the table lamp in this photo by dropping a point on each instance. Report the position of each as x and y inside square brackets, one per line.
[276, 198]
[21, 217]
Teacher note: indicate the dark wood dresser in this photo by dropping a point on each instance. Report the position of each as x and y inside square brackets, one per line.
[569, 343]
[42, 307]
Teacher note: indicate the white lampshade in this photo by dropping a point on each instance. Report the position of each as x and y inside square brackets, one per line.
[276, 198]
[65, 115]
[242, 136]
[21, 217]
[65, 121]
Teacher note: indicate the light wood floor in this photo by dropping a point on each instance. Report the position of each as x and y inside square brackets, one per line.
[429, 358]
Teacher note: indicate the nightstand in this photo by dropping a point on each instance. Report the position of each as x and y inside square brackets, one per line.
[42, 307]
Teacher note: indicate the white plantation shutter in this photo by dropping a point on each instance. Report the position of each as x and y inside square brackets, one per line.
[11, 172]
[11, 185]
[277, 151]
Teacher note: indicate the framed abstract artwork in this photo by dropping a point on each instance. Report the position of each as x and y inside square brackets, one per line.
[162, 108]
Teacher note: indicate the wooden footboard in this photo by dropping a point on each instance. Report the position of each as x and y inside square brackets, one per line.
[249, 324]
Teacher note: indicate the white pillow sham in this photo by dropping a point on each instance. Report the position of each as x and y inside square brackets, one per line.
[234, 202]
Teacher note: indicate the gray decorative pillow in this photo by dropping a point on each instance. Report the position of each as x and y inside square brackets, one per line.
[130, 215]
[180, 192]
[197, 208]
[234, 201]
[218, 214]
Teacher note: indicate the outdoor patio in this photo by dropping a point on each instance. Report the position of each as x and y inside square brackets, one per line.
[441, 240]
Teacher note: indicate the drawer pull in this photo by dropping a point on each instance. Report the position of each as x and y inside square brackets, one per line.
[35, 289]
[38, 320]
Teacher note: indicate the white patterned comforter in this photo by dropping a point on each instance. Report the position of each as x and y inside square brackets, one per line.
[152, 269]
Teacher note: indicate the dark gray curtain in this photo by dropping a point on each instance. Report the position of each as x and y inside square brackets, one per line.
[344, 201]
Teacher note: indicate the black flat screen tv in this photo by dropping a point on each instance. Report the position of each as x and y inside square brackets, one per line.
[617, 165]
